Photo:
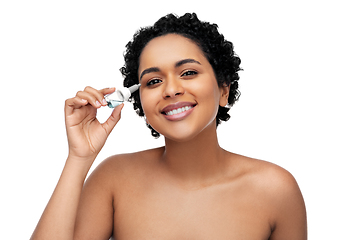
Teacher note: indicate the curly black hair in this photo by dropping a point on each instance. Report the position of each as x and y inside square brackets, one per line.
[218, 51]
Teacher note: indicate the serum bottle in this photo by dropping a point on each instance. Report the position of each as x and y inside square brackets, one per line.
[120, 95]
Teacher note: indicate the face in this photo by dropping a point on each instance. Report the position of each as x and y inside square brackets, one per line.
[179, 92]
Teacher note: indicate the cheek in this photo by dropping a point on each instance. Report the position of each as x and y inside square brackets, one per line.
[148, 101]
[206, 91]
[143, 101]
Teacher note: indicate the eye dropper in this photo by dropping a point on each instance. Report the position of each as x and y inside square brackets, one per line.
[120, 95]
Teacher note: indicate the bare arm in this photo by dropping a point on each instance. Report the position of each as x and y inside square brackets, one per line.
[95, 215]
[289, 209]
[86, 137]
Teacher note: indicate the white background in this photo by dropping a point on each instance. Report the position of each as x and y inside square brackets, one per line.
[299, 106]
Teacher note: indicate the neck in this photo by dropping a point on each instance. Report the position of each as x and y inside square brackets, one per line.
[198, 162]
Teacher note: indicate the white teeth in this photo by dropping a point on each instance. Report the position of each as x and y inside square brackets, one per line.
[179, 110]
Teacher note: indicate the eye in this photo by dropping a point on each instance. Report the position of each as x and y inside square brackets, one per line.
[188, 73]
[153, 82]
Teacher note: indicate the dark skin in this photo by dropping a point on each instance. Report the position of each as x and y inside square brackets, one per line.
[189, 189]
[155, 205]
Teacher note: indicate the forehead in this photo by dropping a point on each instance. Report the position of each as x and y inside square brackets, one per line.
[169, 48]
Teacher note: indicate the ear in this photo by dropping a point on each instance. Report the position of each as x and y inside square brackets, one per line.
[224, 95]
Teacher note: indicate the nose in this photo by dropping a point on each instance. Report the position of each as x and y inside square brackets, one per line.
[173, 88]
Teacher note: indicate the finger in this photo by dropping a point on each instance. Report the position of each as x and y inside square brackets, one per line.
[99, 94]
[106, 91]
[74, 103]
[113, 119]
[92, 99]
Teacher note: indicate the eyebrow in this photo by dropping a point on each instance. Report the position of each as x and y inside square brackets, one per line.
[184, 61]
[177, 64]
[149, 70]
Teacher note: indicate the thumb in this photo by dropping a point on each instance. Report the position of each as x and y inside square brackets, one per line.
[113, 119]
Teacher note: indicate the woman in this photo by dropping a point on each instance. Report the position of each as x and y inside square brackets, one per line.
[189, 189]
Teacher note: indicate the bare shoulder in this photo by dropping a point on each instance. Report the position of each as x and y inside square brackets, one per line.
[280, 195]
[265, 175]
[273, 182]
[133, 159]
[123, 164]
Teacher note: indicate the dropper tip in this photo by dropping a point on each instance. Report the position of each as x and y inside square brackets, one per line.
[134, 88]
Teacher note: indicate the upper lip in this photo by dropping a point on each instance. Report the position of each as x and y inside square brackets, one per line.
[177, 105]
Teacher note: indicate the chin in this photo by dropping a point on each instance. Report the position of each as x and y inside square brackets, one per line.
[186, 133]
[179, 136]
[180, 139]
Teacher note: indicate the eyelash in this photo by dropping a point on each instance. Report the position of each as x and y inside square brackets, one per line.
[153, 82]
[189, 73]
[185, 74]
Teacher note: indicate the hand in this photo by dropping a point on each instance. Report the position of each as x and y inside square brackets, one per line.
[86, 135]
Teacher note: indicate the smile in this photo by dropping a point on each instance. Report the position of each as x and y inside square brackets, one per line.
[179, 110]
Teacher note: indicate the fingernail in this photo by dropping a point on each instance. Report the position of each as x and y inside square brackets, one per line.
[97, 103]
[104, 102]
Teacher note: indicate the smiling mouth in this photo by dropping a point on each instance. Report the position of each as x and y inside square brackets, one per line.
[177, 111]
